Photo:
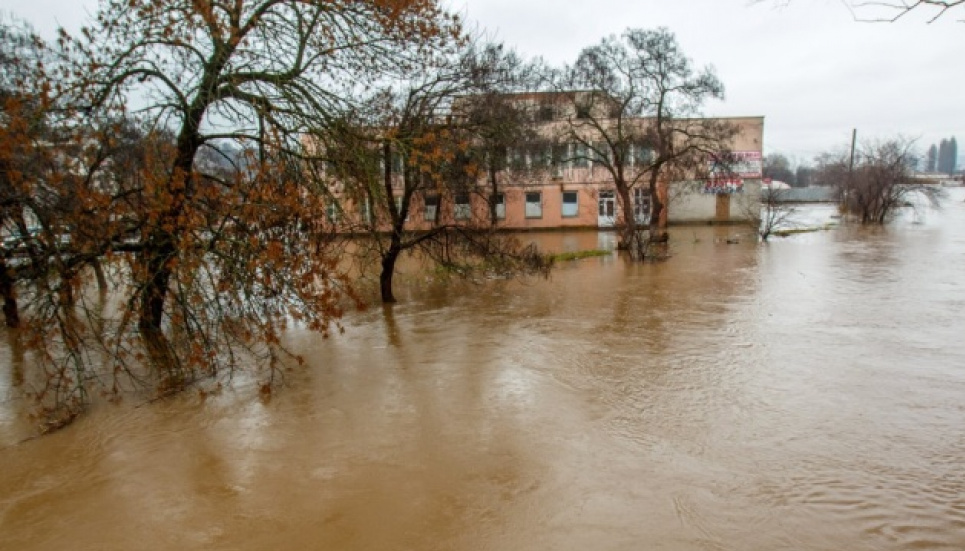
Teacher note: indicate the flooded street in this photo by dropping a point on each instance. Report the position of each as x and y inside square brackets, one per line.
[805, 394]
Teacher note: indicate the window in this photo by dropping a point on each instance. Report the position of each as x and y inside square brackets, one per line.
[602, 153]
[516, 158]
[642, 155]
[331, 212]
[365, 209]
[583, 110]
[432, 207]
[534, 204]
[462, 210]
[641, 205]
[546, 113]
[607, 204]
[500, 201]
[559, 155]
[540, 156]
[570, 203]
[581, 156]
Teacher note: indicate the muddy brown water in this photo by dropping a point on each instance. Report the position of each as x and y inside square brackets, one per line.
[806, 394]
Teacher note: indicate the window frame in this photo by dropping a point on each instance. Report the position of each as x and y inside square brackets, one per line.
[332, 212]
[581, 155]
[641, 197]
[537, 211]
[576, 204]
[430, 205]
[500, 200]
[461, 210]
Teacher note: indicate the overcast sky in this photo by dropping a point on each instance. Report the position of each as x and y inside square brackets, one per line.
[809, 68]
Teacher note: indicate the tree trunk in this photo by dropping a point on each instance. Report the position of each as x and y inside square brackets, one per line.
[388, 270]
[160, 249]
[8, 289]
[493, 182]
[628, 235]
[11, 311]
[398, 224]
[157, 252]
[658, 233]
[151, 317]
[162, 242]
[99, 275]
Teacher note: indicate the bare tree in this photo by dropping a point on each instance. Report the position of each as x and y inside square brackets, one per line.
[411, 166]
[880, 183]
[893, 10]
[774, 212]
[639, 120]
[503, 128]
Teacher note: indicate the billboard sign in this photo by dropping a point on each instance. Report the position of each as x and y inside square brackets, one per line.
[728, 171]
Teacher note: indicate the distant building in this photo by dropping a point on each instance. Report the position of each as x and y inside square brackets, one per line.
[557, 186]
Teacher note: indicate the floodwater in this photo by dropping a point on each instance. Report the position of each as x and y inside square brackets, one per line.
[805, 394]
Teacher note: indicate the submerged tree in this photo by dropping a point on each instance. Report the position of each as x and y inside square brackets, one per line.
[35, 153]
[410, 167]
[501, 124]
[880, 182]
[212, 264]
[17, 126]
[774, 212]
[639, 122]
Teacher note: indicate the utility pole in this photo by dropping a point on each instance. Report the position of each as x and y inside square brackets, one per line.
[854, 139]
[847, 188]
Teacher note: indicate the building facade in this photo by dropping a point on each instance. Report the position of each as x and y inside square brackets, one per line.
[552, 184]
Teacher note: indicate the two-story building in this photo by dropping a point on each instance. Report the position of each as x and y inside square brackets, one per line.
[555, 182]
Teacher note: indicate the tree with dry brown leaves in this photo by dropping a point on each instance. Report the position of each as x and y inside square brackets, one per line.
[207, 266]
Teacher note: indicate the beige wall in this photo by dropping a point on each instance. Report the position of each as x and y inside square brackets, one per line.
[690, 205]
[695, 207]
